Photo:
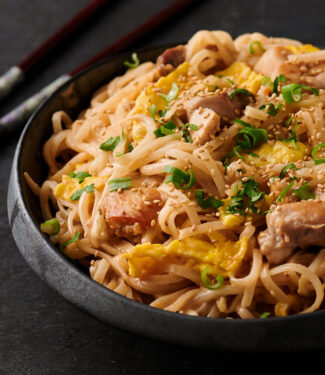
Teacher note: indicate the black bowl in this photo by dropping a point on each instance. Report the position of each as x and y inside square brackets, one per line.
[301, 332]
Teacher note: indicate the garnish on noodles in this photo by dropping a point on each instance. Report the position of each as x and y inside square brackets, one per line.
[196, 182]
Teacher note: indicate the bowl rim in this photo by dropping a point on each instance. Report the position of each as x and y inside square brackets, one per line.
[172, 318]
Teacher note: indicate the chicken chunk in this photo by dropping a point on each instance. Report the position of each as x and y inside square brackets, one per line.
[304, 68]
[131, 212]
[172, 56]
[207, 122]
[220, 103]
[292, 225]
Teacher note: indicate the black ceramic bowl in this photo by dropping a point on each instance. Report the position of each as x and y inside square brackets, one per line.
[303, 332]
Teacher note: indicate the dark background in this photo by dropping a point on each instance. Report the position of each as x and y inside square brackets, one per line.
[40, 333]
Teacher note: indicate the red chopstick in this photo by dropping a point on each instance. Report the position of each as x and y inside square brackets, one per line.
[15, 119]
[16, 74]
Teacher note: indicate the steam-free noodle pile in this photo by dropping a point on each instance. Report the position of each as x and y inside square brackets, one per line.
[195, 184]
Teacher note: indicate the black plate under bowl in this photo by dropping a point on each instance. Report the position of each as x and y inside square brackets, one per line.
[303, 332]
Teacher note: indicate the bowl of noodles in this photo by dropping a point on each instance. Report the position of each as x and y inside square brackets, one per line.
[178, 193]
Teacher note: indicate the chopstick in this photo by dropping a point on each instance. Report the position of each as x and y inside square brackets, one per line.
[15, 119]
[17, 73]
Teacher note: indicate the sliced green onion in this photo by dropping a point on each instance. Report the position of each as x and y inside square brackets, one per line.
[110, 144]
[208, 202]
[238, 91]
[172, 93]
[304, 192]
[135, 63]
[286, 168]
[248, 138]
[51, 227]
[272, 110]
[162, 112]
[153, 111]
[87, 189]
[266, 81]
[80, 176]
[119, 183]
[73, 239]
[206, 282]
[130, 147]
[284, 191]
[230, 81]
[241, 122]
[265, 315]
[258, 44]
[292, 93]
[280, 78]
[315, 151]
[165, 129]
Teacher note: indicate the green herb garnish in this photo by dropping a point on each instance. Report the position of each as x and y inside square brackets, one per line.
[315, 151]
[280, 78]
[80, 176]
[272, 110]
[244, 123]
[232, 93]
[130, 147]
[292, 93]
[73, 239]
[153, 111]
[258, 44]
[293, 138]
[87, 189]
[110, 144]
[162, 112]
[284, 192]
[207, 283]
[135, 63]
[265, 315]
[304, 192]
[51, 227]
[248, 138]
[210, 202]
[245, 198]
[172, 93]
[165, 129]
[286, 168]
[230, 81]
[179, 178]
[120, 183]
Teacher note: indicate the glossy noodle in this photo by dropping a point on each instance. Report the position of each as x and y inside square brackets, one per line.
[195, 184]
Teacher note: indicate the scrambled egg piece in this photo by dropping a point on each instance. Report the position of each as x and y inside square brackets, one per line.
[243, 76]
[222, 256]
[164, 84]
[306, 48]
[279, 153]
[70, 185]
[149, 96]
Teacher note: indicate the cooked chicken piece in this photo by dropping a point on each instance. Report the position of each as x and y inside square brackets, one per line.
[129, 213]
[304, 68]
[172, 56]
[220, 103]
[207, 122]
[290, 226]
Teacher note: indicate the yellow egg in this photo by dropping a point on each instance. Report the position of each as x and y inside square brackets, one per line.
[222, 256]
[70, 185]
[279, 153]
[306, 48]
[243, 76]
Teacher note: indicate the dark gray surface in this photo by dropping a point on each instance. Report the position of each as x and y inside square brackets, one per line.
[40, 333]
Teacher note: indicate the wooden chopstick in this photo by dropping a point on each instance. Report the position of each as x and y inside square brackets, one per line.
[15, 119]
[17, 73]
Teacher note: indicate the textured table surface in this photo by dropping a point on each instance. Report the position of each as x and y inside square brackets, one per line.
[40, 333]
